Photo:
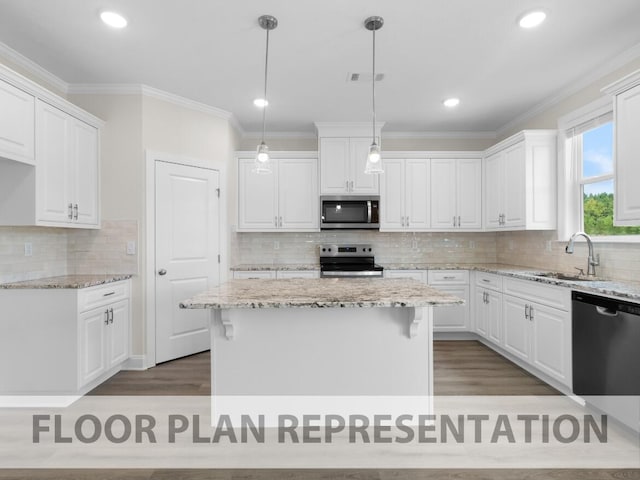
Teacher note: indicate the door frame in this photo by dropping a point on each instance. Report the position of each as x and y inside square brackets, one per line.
[149, 277]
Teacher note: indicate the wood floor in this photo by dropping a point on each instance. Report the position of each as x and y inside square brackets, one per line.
[461, 368]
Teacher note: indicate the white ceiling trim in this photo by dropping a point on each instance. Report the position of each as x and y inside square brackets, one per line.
[574, 87]
[280, 135]
[33, 68]
[445, 134]
[105, 89]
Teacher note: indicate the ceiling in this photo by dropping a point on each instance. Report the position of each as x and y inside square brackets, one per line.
[212, 51]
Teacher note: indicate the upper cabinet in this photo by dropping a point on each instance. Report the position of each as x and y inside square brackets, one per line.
[520, 182]
[404, 195]
[17, 125]
[49, 158]
[626, 113]
[456, 194]
[342, 162]
[285, 200]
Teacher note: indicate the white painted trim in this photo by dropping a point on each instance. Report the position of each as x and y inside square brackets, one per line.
[278, 154]
[148, 279]
[518, 137]
[135, 362]
[625, 83]
[105, 89]
[444, 134]
[347, 129]
[432, 154]
[33, 68]
[573, 87]
[267, 135]
[587, 112]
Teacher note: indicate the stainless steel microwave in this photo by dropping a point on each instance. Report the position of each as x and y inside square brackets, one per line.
[349, 212]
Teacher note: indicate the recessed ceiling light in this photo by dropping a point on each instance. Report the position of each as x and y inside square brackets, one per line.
[451, 102]
[532, 19]
[260, 102]
[113, 19]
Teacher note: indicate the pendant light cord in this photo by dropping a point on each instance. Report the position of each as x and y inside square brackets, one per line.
[266, 63]
[373, 87]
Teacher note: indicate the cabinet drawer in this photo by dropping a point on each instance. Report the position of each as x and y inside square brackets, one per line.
[458, 277]
[489, 280]
[532, 291]
[419, 275]
[94, 297]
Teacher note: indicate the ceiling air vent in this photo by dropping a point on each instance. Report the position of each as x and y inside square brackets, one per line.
[363, 77]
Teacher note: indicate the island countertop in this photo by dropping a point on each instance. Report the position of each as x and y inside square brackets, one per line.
[321, 293]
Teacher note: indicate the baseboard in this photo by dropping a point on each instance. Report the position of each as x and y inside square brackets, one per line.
[455, 336]
[135, 362]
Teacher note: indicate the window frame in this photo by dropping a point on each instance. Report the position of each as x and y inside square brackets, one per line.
[570, 180]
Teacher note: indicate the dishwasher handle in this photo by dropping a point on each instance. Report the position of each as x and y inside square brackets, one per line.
[609, 312]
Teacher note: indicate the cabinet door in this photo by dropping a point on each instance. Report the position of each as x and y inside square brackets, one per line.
[298, 194]
[417, 199]
[452, 318]
[392, 195]
[52, 171]
[91, 355]
[443, 194]
[84, 173]
[516, 326]
[514, 206]
[469, 193]
[551, 342]
[257, 198]
[334, 165]
[493, 312]
[481, 312]
[117, 348]
[17, 124]
[493, 188]
[362, 182]
[627, 164]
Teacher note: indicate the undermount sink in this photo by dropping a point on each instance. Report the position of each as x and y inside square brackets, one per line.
[565, 276]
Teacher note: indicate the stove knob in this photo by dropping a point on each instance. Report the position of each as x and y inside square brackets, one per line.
[324, 249]
[369, 249]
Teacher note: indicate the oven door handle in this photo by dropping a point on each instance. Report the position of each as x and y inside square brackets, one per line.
[368, 211]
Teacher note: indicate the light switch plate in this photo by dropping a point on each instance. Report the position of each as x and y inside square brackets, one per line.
[131, 247]
[28, 249]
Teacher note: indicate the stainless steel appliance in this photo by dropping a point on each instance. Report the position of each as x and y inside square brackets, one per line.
[349, 212]
[356, 260]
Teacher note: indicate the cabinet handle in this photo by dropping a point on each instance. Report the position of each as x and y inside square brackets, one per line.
[531, 312]
[486, 280]
[351, 188]
[109, 294]
[402, 221]
[70, 211]
[275, 221]
[347, 182]
[75, 211]
[106, 317]
[458, 220]
[280, 222]
[454, 220]
[526, 312]
[484, 297]
[407, 221]
[449, 277]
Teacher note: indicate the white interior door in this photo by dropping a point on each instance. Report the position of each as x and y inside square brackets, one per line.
[187, 248]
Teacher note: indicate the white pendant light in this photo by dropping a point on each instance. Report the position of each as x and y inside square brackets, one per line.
[263, 161]
[374, 158]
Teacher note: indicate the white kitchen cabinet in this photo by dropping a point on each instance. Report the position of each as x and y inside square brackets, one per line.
[55, 180]
[456, 194]
[516, 326]
[626, 94]
[254, 274]
[405, 195]
[285, 200]
[285, 274]
[454, 318]
[488, 307]
[275, 274]
[17, 124]
[63, 340]
[66, 170]
[419, 275]
[520, 182]
[342, 164]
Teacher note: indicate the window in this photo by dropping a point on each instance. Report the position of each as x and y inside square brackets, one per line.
[587, 177]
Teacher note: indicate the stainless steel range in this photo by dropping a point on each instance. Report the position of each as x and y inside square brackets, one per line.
[353, 260]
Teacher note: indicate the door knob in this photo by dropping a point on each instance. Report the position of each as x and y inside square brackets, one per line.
[162, 271]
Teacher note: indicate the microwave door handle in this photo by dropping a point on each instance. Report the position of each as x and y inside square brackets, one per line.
[368, 211]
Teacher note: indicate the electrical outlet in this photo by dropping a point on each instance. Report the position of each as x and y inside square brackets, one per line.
[472, 244]
[131, 247]
[28, 249]
[548, 245]
[276, 245]
[414, 243]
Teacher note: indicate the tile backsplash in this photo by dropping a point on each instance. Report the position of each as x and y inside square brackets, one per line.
[390, 247]
[63, 251]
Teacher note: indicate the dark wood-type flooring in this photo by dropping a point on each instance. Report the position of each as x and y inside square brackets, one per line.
[460, 368]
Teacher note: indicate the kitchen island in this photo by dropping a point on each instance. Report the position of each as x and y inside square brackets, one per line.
[322, 337]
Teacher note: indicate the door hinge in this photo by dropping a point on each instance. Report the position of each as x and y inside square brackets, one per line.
[218, 258]
[218, 192]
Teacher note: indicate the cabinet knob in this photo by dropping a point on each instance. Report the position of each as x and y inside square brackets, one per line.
[162, 271]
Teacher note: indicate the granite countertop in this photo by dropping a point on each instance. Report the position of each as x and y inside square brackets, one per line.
[67, 281]
[255, 267]
[321, 293]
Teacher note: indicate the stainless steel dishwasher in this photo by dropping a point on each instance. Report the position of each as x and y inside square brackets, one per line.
[606, 355]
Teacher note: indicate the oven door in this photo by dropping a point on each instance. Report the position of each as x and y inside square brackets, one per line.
[349, 212]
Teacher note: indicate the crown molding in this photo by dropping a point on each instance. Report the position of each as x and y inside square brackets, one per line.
[574, 87]
[33, 68]
[450, 134]
[280, 135]
[105, 89]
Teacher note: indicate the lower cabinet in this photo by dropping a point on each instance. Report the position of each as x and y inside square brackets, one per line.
[63, 341]
[488, 314]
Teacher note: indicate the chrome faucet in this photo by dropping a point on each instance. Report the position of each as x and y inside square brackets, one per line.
[593, 260]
